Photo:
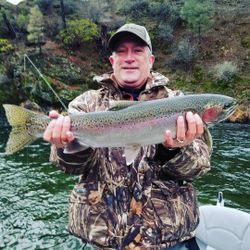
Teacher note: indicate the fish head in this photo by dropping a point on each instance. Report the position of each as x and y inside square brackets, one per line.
[218, 109]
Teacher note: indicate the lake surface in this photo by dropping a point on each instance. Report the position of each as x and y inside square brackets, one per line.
[34, 194]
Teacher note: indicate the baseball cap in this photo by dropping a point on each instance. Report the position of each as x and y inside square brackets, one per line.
[137, 30]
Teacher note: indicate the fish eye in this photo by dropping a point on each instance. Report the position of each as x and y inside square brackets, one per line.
[227, 105]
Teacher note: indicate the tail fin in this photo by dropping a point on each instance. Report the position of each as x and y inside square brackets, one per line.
[18, 119]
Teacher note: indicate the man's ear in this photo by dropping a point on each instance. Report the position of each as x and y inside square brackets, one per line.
[152, 60]
[111, 60]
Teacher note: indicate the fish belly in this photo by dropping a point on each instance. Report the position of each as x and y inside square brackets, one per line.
[146, 132]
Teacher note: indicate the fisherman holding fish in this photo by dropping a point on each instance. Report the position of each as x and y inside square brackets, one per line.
[136, 145]
[145, 200]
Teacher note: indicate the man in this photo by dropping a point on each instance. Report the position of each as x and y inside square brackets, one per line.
[151, 203]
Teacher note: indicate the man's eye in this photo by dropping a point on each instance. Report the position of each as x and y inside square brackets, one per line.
[120, 51]
[138, 50]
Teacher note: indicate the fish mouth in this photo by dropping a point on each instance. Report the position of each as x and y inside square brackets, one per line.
[229, 109]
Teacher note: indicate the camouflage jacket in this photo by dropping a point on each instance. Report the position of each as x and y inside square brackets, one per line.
[150, 204]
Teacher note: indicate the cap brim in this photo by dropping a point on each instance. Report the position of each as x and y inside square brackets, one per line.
[121, 35]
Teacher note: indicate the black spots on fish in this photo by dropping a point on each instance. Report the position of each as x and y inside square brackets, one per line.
[76, 124]
[37, 124]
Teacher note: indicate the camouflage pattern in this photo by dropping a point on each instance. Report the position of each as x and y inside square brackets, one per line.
[150, 204]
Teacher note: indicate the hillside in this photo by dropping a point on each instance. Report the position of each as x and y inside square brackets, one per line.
[70, 69]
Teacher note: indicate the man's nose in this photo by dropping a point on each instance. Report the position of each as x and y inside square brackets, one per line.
[129, 57]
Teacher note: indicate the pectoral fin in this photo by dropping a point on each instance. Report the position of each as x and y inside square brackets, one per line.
[75, 146]
[131, 152]
[208, 138]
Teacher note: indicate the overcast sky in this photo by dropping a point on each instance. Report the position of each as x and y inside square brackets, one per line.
[15, 2]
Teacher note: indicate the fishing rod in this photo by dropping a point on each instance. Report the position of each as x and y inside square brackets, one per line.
[16, 2]
[45, 80]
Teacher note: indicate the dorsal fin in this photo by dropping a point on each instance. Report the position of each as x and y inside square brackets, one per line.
[118, 105]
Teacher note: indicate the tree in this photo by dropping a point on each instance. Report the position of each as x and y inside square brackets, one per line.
[21, 22]
[185, 54]
[135, 9]
[78, 31]
[36, 27]
[5, 46]
[7, 22]
[63, 14]
[198, 14]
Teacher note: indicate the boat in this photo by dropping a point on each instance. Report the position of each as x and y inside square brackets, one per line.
[223, 228]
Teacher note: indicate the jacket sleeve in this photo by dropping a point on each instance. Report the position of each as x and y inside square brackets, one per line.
[80, 162]
[187, 162]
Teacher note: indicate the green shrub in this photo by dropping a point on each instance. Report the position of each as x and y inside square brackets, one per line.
[5, 46]
[165, 32]
[244, 98]
[160, 10]
[185, 54]
[69, 94]
[245, 41]
[135, 9]
[35, 27]
[198, 14]
[78, 31]
[44, 5]
[22, 21]
[225, 72]
[164, 12]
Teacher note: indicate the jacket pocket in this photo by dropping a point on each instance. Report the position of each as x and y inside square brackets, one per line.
[91, 222]
[173, 209]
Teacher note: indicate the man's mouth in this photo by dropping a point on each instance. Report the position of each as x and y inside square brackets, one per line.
[129, 68]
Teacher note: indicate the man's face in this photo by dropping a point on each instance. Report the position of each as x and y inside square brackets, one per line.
[131, 62]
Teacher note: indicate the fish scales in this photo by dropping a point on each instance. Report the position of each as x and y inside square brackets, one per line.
[126, 127]
[141, 124]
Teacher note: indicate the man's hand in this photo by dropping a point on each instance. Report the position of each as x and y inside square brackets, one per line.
[184, 135]
[58, 131]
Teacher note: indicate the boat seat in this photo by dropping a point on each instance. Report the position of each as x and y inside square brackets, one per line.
[223, 228]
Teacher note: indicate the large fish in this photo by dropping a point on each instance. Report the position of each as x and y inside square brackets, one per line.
[127, 124]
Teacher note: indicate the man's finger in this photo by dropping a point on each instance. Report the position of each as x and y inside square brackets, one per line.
[199, 125]
[181, 130]
[65, 129]
[53, 114]
[168, 140]
[47, 136]
[70, 136]
[56, 135]
[191, 126]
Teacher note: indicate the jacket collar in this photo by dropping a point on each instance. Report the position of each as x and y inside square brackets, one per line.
[108, 80]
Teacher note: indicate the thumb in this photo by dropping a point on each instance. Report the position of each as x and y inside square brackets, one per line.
[53, 114]
[70, 136]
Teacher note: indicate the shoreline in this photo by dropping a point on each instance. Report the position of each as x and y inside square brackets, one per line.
[240, 116]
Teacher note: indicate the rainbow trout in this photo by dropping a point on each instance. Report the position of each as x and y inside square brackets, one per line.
[127, 124]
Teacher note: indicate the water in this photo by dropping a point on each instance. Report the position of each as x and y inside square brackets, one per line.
[34, 194]
[230, 172]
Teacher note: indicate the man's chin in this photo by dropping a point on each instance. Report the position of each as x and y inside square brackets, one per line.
[131, 84]
[128, 78]
[130, 81]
